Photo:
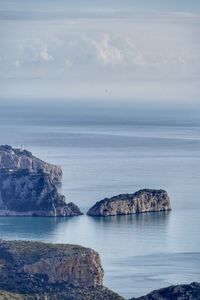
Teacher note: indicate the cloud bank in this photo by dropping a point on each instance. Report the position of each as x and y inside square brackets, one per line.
[99, 54]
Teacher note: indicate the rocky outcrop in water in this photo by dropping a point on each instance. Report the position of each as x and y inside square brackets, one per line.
[175, 292]
[16, 159]
[35, 270]
[145, 200]
[26, 193]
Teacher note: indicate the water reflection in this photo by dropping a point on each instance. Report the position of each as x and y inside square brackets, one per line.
[142, 219]
[139, 252]
[29, 227]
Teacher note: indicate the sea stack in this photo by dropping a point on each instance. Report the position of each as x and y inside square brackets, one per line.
[15, 159]
[146, 200]
[29, 193]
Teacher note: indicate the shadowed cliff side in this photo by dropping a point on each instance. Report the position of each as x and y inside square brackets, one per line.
[26, 193]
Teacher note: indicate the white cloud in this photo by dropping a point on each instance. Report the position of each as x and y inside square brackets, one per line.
[106, 52]
[117, 51]
[34, 51]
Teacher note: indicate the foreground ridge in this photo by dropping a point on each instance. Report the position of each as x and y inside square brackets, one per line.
[43, 271]
[35, 270]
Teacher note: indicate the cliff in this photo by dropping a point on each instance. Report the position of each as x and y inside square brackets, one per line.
[25, 193]
[175, 292]
[146, 200]
[35, 270]
[16, 159]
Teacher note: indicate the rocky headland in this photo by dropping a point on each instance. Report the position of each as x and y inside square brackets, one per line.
[40, 271]
[146, 200]
[30, 193]
[36, 270]
[15, 159]
[175, 292]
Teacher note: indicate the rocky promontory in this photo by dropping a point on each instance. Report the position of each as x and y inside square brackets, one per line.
[40, 271]
[36, 270]
[146, 200]
[29, 193]
[14, 158]
[175, 292]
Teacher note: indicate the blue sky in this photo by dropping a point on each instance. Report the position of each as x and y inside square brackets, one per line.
[130, 49]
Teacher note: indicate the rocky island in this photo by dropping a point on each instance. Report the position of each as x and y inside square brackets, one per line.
[29, 193]
[146, 200]
[36, 270]
[15, 159]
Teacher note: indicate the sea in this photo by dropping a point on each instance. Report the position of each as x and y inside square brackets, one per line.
[106, 150]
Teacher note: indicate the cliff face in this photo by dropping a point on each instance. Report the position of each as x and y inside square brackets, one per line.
[39, 267]
[25, 193]
[11, 158]
[146, 200]
[177, 292]
[35, 270]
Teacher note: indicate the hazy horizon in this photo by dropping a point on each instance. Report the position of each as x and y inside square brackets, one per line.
[103, 50]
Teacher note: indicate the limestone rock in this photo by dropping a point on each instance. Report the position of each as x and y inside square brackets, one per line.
[175, 292]
[36, 267]
[26, 193]
[15, 159]
[146, 200]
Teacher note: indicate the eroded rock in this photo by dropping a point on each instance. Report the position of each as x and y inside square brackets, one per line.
[12, 158]
[36, 267]
[146, 200]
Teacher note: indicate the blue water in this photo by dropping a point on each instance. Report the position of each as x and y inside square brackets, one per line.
[139, 252]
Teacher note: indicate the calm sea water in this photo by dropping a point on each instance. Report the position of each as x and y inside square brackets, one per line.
[139, 252]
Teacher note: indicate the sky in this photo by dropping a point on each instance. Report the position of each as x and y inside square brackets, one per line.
[135, 50]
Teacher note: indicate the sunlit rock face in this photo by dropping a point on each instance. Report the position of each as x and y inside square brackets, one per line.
[28, 266]
[27, 193]
[146, 200]
[35, 270]
[15, 159]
